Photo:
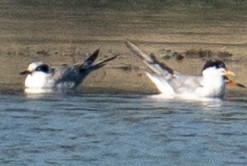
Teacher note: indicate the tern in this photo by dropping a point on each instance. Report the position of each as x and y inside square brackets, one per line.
[172, 84]
[43, 78]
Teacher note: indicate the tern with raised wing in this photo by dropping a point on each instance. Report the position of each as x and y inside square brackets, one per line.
[172, 84]
[43, 78]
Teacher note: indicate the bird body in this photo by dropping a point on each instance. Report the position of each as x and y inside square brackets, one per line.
[172, 84]
[43, 78]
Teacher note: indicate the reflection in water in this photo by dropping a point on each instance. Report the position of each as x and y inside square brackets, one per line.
[206, 103]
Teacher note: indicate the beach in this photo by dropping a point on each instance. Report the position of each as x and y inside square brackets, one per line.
[59, 35]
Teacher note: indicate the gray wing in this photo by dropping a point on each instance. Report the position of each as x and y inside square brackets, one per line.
[89, 65]
[185, 83]
[66, 73]
[73, 75]
[179, 82]
[155, 67]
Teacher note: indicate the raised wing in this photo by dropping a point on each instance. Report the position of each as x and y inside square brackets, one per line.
[73, 75]
[165, 78]
[155, 67]
[90, 60]
[89, 65]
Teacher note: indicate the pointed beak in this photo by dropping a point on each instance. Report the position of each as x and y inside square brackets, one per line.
[234, 83]
[25, 72]
[228, 73]
[230, 82]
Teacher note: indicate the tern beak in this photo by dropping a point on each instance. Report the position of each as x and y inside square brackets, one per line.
[228, 73]
[234, 83]
[25, 72]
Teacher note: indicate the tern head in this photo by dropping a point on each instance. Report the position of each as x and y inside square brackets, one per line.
[215, 67]
[214, 74]
[38, 66]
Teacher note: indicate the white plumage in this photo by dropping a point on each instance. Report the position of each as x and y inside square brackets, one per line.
[172, 84]
[42, 78]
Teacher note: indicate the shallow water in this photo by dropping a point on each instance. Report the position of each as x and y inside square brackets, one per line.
[108, 129]
[102, 129]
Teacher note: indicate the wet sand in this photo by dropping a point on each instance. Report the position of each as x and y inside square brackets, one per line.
[67, 36]
[123, 75]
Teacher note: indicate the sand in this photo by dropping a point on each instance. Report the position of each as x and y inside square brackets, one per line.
[126, 74]
[69, 35]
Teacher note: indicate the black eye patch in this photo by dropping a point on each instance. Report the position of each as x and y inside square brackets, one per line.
[220, 65]
[43, 68]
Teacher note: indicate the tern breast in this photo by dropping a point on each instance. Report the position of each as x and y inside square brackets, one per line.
[37, 80]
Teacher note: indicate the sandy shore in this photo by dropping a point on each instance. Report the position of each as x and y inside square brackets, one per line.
[68, 35]
[123, 75]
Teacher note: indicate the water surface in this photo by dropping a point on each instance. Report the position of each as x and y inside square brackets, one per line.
[108, 129]
[102, 129]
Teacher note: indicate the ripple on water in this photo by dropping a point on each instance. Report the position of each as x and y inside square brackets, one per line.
[79, 129]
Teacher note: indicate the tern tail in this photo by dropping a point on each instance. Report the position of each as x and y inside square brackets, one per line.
[103, 63]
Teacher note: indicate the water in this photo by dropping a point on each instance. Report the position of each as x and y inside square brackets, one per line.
[102, 129]
[108, 129]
